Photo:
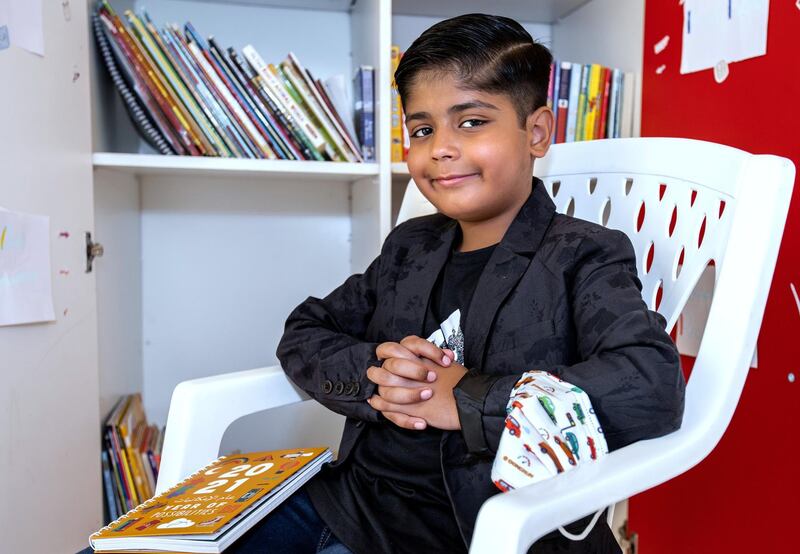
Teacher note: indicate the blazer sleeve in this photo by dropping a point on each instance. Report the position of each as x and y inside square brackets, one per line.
[630, 366]
[323, 349]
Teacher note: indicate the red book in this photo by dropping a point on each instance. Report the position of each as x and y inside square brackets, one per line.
[600, 127]
[562, 101]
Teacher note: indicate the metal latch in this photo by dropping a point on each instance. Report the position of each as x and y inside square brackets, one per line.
[93, 250]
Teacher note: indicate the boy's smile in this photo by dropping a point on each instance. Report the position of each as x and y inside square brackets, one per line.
[470, 157]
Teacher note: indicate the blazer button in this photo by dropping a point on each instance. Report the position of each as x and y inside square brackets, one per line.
[327, 386]
[356, 388]
[339, 388]
[348, 389]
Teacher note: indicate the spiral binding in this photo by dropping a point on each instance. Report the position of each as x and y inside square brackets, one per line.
[153, 499]
[138, 116]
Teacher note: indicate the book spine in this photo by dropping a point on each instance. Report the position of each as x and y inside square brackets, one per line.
[269, 108]
[290, 105]
[627, 105]
[306, 87]
[204, 59]
[563, 102]
[113, 56]
[328, 113]
[229, 133]
[260, 133]
[612, 105]
[169, 81]
[582, 102]
[556, 73]
[333, 90]
[279, 98]
[551, 85]
[397, 131]
[125, 473]
[195, 104]
[119, 490]
[111, 506]
[369, 113]
[618, 105]
[302, 97]
[574, 93]
[259, 111]
[151, 501]
[279, 144]
[592, 102]
[171, 51]
[213, 83]
[605, 85]
[235, 134]
[344, 129]
[126, 44]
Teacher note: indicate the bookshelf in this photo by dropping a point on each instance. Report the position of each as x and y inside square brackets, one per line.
[205, 257]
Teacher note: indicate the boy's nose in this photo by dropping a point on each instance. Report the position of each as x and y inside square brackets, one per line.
[444, 146]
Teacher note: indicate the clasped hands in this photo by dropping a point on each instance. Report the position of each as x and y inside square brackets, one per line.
[415, 384]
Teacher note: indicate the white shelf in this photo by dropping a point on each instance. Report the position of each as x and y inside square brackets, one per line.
[154, 164]
[400, 169]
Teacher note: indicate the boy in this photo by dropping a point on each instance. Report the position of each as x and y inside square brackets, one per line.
[500, 284]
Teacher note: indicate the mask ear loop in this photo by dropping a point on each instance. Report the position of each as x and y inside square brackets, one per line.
[586, 531]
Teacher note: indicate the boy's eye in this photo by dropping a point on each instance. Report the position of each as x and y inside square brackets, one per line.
[419, 132]
[473, 123]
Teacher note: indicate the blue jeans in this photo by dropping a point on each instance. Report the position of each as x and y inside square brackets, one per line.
[293, 527]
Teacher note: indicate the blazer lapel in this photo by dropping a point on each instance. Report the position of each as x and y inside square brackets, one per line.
[506, 266]
[417, 277]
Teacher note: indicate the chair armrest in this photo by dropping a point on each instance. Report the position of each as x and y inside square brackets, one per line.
[202, 409]
[512, 521]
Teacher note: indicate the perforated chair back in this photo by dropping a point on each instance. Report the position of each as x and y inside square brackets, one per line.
[674, 203]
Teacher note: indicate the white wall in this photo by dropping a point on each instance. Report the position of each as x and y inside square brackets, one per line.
[217, 257]
[119, 286]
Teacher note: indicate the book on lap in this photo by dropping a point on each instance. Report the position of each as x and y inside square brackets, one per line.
[210, 509]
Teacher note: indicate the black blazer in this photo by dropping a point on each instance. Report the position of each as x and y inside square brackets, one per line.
[558, 294]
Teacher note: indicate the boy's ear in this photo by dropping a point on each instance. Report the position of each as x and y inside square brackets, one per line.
[540, 126]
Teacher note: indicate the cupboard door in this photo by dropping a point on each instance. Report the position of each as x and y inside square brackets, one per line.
[50, 495]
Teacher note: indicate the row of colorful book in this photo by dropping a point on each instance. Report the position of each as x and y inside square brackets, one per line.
[590, 101]
[131, 456]
[202, 100]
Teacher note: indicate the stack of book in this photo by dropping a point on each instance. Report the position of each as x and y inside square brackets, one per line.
[590, 101]
[130, 457]
[207, 101]
[210, 509]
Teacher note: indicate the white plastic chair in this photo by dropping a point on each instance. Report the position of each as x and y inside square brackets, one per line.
[737, 201]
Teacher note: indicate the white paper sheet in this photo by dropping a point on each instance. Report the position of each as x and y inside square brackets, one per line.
[26, 294]
[726, 31]
[21, 25]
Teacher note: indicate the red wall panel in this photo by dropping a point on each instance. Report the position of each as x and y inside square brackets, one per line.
[743, 497]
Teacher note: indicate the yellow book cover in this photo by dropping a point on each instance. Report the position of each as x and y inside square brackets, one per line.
[397, 112]
[592, 103]
[214, 506]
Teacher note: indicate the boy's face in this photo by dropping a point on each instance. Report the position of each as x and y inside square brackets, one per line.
[468, 154]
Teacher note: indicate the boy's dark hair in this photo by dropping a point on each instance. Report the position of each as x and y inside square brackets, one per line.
[488, 53]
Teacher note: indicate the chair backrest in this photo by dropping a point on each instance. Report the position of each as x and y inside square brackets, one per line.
[674, 198]
[683, 203]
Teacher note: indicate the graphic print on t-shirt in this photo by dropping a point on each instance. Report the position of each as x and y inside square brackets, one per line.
[449, 335]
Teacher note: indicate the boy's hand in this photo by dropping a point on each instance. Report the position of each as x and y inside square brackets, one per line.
[423, 404]
[402, 375]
